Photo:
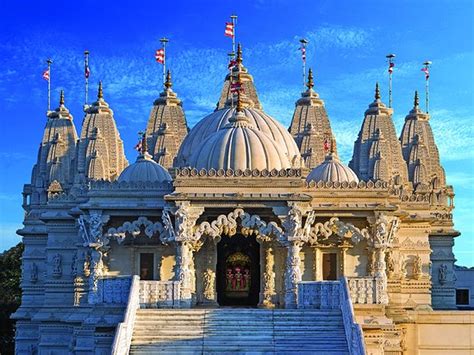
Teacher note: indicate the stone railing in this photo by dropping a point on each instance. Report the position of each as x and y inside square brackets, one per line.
[354, 335]
[318, 294]
[365, 290]
[124, 330]
[113, 290]
[160, 294]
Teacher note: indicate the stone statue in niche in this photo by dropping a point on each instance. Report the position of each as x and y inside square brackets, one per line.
[390, 264]
[87, 262]
[417, 268]
[57, 268]
[33, 273]
[442, 274]
[402, 265]
[209, 281]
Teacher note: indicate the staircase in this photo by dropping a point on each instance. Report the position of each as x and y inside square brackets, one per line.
[231, 330]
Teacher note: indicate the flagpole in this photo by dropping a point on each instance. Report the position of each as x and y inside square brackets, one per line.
[163, 41]
[231, 57]
[86, 76]
[390, 58]
[234, 22]
[303, 42]
[427, 65]
[49, 61]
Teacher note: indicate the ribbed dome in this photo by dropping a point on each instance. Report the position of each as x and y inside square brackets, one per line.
[239, 145]
[332, 170]
[258, 119]
[144, 170]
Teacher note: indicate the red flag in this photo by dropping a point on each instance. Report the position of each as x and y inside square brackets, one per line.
[46, 75]
[138, 147]
[236, 87]
[426, 71]
[87, 71]
[160, 55]
[391, 65]
[232, 64]
[303, 53]
[326, 145]
[229, 29]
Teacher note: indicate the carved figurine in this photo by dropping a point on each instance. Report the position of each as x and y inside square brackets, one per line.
[57, 269]
[33, 273]
[208, 280]
[442, 274]
[417, 268]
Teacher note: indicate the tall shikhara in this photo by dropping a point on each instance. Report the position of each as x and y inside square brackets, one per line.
[53, 172]
[420, 151]
[237, 70]
[310, 126]
[166, 126]
[100, 152]
[377, 152]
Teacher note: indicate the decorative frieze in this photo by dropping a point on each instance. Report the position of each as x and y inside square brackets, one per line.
[247, 173]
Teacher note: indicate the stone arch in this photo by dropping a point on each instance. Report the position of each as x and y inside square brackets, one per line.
[134, 229]
[228, 224]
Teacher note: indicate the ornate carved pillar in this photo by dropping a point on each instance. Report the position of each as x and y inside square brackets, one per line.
[383, 233]
[267, 290]
[184, 271]
[293, 273]
[209, 275]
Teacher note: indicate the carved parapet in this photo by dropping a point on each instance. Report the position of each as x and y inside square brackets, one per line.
[361, 185]
[247, 173]
[160, 294]
[99, 185]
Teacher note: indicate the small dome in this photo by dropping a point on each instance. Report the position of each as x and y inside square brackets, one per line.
[238, 145]
[258, 119]
[144, 169]
[332, 170]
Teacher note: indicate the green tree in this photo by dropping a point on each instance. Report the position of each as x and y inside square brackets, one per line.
[10, 295]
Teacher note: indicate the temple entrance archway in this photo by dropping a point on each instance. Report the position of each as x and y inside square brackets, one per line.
[238, 271]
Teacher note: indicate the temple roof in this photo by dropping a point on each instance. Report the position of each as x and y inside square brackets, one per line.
[100, 148]
[310, 126]
[377, 152]
[419, 149]
[167, 126]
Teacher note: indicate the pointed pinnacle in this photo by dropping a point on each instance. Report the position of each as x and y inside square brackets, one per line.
[310, 82]
[377, 91]
[416, 101]
[61, 98]
[239, 98]
[168, 83]
[100, 93]
[239, 54]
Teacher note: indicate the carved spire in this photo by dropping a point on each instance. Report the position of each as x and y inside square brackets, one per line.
[377, 91]
[239, 94]
[100, 93]
[377, 152]
[61, 98]
[168, 83]
[239, 54]
[310, 83]
[416, 100]
[144, 144]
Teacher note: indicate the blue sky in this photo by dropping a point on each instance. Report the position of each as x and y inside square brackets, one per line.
[348, 44]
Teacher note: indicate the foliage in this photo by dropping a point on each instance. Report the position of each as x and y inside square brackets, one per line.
[10, 295]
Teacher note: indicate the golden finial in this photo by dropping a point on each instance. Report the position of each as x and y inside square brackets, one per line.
[168, 83]
[61, 98]
[333, 145]
[416, 101]
[100, 93]
[239, 98]
[377, 91]
[239, 54]
[310, 82]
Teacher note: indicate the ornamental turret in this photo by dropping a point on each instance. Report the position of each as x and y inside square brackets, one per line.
[237, 69]
[100, 152]
[377, 151]
[53, 172]
[420, 151]
[310, 126]
[166, 126]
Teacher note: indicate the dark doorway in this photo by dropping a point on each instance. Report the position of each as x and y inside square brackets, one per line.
[238, 271]
[329, 266]
[146, 266]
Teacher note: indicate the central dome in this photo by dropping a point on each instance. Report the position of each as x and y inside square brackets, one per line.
[257, 120]
[239, 146]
